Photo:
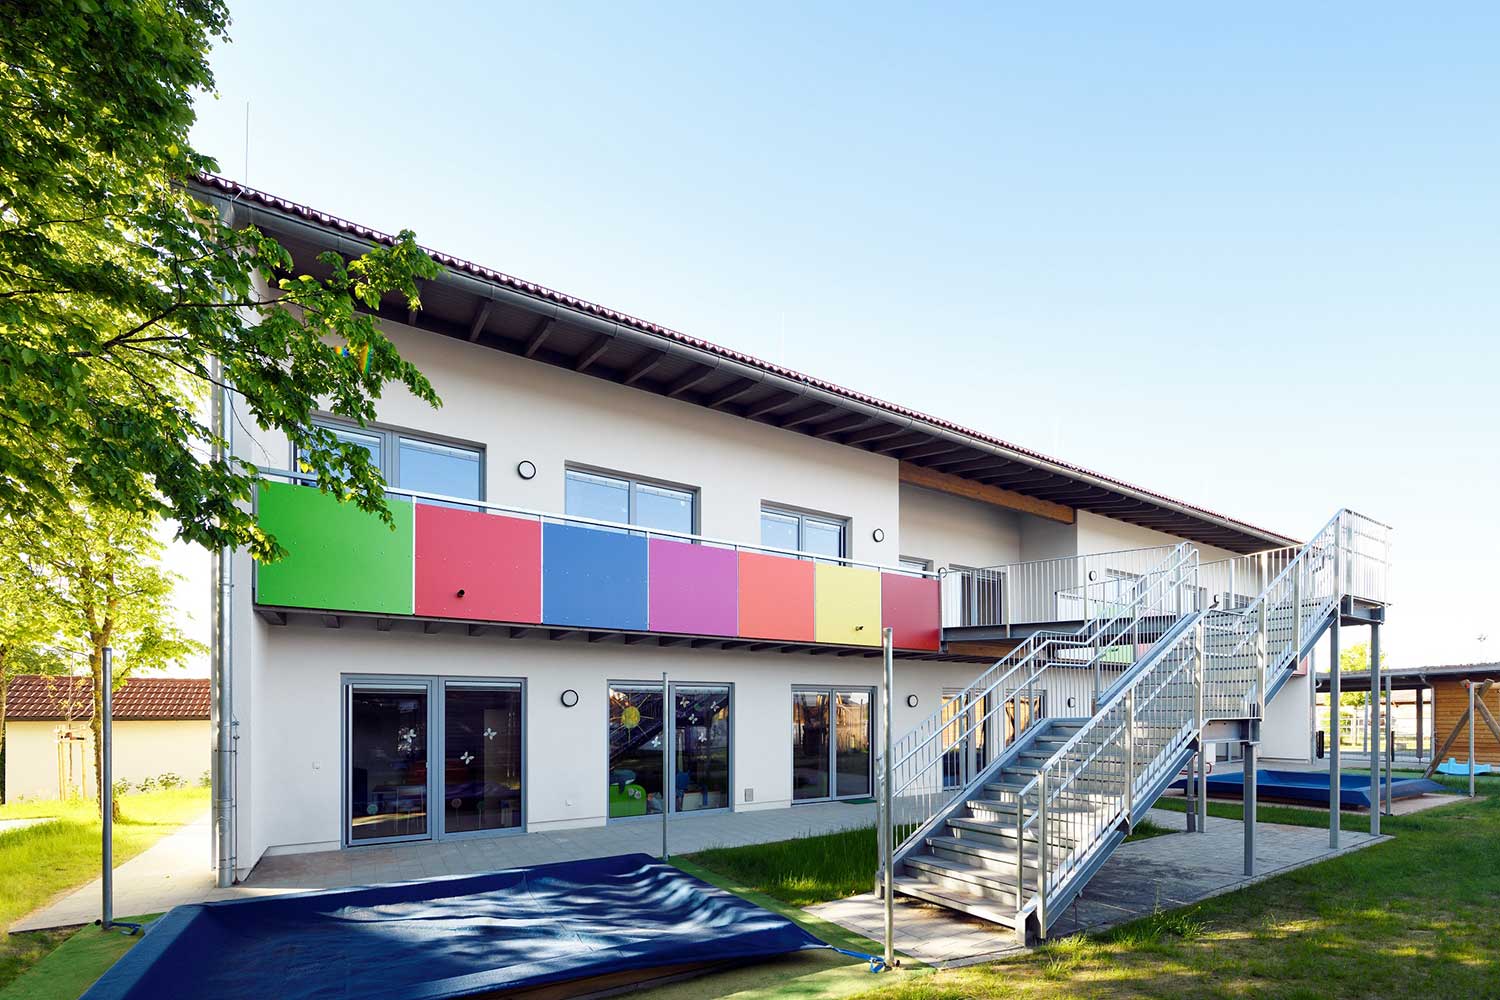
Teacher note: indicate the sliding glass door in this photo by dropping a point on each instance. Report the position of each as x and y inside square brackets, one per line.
[388, 773]
[696, 728]
[430, 757]
[831, 740]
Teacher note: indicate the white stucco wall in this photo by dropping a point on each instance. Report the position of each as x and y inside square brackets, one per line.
[954, 531]
[142, 749]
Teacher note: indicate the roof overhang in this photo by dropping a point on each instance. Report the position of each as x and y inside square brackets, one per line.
[486, 307]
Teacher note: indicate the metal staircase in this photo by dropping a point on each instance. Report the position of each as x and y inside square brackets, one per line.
[1050, 790]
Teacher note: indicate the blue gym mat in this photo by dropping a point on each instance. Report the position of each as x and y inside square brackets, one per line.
[1311, 787]
[451, 937]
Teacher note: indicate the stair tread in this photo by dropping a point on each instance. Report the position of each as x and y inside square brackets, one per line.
[1029, 853]
[977, 906]
[973, 873]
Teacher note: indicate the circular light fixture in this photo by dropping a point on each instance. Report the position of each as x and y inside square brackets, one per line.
[911, 701]
[1072, 702]
[569, 698]
[1093, 575]
[526, 469]
[878, 534]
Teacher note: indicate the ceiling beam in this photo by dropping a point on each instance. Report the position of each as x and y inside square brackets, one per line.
[687, 381]
[811, 413]
[874, 434]
[771, 405]
[481, 317]
[940, 448]
[591, 354]
[539, 336]
[332, 621]
[644, 366]
[846, 424]
[916, 475]
[890, 447]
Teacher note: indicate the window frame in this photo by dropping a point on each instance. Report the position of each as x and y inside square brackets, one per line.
[634, 483]
[669, 776]
[914, 564]
[845, 525]
[390, 450]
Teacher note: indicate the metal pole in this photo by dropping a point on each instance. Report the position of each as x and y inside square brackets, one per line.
[1250, 805]
[1471, 737]
[887, 684]
[1376, 763]
[667, 711]
[1201, 654]
[1334, 763]
[107, 795]
[1390, 746]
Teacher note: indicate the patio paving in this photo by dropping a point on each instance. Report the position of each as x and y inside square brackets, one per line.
[1166, 871]
[175, 870]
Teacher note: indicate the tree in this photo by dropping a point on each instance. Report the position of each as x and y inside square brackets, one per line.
[28, 625]
[118, 289]
[1356, 660]
[103, 570]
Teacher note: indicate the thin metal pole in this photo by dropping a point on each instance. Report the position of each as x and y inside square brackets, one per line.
[1471, 737]
[1376, 761]
[107, 793]
[1251, 794]
[667, 711]
[1334, 762]
[1201, 654]
[1390, 746]
[887, 684]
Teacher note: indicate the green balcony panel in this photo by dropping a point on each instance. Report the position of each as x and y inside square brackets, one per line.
[339, 558]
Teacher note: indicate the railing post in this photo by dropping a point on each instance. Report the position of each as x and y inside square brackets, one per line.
[887, 682]
[1041, 852]
[1201, 654]
[1130, 757]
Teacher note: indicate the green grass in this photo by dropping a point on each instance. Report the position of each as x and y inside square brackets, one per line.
[1414, 917]
[41, 862]
[1146, 829]
[800, 872]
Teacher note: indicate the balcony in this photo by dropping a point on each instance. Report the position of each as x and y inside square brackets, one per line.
[492, 567]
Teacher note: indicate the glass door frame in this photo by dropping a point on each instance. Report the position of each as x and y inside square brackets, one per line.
[433, 687]
[669, 737]
[832, 691]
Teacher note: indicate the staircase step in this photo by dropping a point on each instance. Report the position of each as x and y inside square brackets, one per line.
[1001, 861]
[963, 902]
[957, 876]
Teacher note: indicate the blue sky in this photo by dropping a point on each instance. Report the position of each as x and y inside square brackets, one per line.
[1246, 258]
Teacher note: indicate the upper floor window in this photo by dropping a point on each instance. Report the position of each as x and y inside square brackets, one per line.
[811, 533]
[625, 500]
[914, 565]
[414, 462]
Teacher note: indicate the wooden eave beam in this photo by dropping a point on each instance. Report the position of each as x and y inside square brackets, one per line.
[592, 353]
[734, 391]
[769, 406]
[943, 482]
[811, 413]
[645, 366]
[687, 381]
[481, 317]
[539, 336]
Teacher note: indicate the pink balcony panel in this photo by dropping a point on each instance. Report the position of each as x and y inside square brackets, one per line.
[911, 605]
[694, 588]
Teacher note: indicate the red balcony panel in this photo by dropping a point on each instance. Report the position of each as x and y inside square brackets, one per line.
[495, 561]
[912, 605]
[776, 598]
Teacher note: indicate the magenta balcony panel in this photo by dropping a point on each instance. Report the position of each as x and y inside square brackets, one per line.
[693, 588]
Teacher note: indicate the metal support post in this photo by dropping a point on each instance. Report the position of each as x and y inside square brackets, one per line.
[1377, 762]
[1390, 746]
[887, 685]
[1334, 762]
[1041, 847]
[667, 711]
[1248, 749]
[1472, 720]
[1201, 654]
[107, 796]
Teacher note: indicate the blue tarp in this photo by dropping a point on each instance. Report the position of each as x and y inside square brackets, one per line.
[452, 937]
[1311, 787]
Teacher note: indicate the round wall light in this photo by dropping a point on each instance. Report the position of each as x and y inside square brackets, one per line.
[569, 698]
[526, 470]
[1072, 702]
[911, 701]
[878, 534]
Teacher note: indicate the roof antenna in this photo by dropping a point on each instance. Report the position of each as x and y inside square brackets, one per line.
[245, 174]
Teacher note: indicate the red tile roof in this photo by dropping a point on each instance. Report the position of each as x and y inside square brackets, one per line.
[33, 696]
[294, 209]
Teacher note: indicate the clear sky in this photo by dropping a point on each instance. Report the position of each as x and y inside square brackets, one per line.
[1246, 258]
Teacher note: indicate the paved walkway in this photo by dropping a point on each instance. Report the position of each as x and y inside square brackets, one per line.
[176, 869]
[1167, 871]
[6, 825]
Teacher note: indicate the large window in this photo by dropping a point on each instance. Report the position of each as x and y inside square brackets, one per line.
[814, 534]
[831, 730]
[698, 731]
[623, 500]
[430, 758]
[413, 462]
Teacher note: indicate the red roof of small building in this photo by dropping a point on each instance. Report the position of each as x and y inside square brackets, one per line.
[39, 697]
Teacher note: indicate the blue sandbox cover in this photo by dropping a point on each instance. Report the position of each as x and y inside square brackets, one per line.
[452, 937]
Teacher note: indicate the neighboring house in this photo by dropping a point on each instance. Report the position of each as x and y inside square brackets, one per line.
[600, 501]
[160, 727]
[1433, 703]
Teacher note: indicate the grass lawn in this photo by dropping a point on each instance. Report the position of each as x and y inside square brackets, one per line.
[1412, 918]
[40, 862]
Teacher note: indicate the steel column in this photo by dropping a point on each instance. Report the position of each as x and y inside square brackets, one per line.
[1201, 655]
[1334, 762]
[667, 712]
[887, 685]
[1377, 761]
[1390, 747]
[1248, 752]
[107, 795]
[1472, 720]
